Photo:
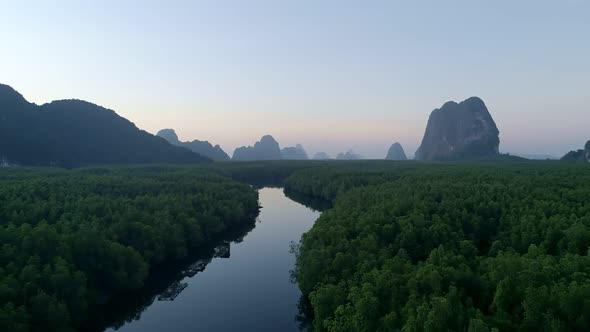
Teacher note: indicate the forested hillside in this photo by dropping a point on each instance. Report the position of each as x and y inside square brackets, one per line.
[75, 133]
[449, 248]
[73, 239]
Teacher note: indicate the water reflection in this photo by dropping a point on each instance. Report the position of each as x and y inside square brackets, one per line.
[304, 315]
[314, 203]
[164, 285]
[238, 286]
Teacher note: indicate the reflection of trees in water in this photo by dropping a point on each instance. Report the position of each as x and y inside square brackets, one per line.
[314, 203]
[128, 307]
[304, 317]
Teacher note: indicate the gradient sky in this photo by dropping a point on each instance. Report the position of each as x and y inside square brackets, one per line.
[331, 75]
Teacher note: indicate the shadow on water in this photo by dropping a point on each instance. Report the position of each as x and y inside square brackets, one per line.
[314, 203]
[164, 283]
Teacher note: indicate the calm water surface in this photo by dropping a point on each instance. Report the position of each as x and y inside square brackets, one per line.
[249, 291]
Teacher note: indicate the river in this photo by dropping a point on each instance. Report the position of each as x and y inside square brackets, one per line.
[251, 290]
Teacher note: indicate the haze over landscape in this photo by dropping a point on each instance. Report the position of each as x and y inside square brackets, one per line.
[294, 166]
[329, 75]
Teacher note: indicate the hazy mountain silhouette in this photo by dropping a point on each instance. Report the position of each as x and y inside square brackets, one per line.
[203, 148]
[348, 155]
[460, 131]
[396, 152]
[72, 133]
[581, 155]
[321, 156]
[265, 149]
[294, 153]
[532, 156]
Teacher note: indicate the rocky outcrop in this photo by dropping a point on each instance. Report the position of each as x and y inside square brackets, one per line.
[396, 152]
[265, 149]
[460, 131]
[203, 148]
[581, 155]
[294, 153]
[169, 135]
[321, 156]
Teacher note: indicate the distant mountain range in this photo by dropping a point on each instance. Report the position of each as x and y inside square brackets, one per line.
[268, 149]
[294, 153]
[203, 148]
[321, 156]
[535, 156]
[73, 133]
[265, 149]
[348, 155]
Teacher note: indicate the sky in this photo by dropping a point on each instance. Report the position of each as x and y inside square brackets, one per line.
[331, 75]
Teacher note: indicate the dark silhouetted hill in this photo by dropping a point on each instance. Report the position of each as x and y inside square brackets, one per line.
[321, 156]
[203, 148]
[348, 155]
[581, 155]
[396, 152]
[532, 156]
[460, 131]
[265, 149]
[294, 153]
[73, 133]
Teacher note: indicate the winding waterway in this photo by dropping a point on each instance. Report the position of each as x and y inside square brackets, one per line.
[250, 290]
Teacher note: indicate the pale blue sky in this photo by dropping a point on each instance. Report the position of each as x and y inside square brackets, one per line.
[330, 75]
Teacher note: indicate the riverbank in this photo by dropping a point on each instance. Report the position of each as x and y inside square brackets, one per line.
[251, 290]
